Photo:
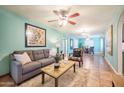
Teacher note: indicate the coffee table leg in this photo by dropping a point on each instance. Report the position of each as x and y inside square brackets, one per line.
[56, 82]
[113, 84]
[74, 67]
[43, 75]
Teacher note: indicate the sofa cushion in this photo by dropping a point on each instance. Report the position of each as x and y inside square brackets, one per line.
[46, 53]
[46, 61]
[30, 67]
[38, 54]
[29, 52]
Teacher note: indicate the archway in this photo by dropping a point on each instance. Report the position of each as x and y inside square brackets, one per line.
[121, 44]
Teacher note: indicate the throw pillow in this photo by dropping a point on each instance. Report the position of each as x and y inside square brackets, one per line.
[23, 58]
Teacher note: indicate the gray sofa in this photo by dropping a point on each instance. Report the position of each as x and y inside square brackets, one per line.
[40, 58]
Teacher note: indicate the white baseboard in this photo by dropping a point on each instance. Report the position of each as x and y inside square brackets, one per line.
[112, 68]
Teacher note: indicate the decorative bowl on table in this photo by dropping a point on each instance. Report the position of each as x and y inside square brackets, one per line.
[56, 65]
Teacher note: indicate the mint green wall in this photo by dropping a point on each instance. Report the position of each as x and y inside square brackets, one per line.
[97, 43]
[81, 42]
[12, 36]
[113, 60]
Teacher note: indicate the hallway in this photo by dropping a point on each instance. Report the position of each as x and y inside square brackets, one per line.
[100, 72]
[95, 70]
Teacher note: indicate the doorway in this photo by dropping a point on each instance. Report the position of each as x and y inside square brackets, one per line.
[102, 46]
[65, 46]
[121, 44]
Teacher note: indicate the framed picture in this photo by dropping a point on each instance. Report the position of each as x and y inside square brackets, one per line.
[34, 36]
[109, 40]
[71, 43]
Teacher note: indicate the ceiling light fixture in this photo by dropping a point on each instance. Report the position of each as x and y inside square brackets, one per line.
[63, 20]
[85, 34]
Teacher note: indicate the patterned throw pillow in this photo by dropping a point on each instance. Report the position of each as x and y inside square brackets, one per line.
[23, 58]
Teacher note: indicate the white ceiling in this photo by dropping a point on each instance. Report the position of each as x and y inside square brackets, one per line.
[92, 19]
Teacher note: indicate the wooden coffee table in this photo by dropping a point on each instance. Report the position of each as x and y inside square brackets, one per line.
[56, 73]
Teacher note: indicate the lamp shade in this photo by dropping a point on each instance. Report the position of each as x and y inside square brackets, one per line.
[57, 45]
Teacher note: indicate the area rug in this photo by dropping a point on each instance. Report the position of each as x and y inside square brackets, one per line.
[68, 79]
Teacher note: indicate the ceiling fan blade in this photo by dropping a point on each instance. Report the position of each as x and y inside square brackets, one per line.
[71, 22]
[69, 9]
[74, 15]
[52, 20]
[63, 12]
[56, 12]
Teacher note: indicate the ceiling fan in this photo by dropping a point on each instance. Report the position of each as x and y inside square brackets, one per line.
[63, 17]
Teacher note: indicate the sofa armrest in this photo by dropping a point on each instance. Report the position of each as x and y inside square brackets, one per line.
[16, 71]
[118, 80]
